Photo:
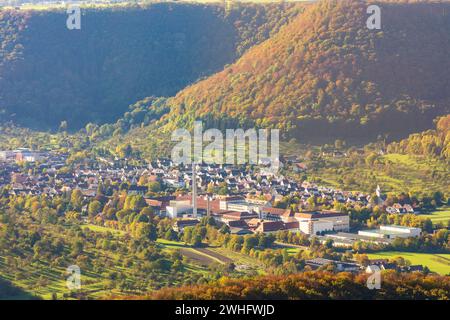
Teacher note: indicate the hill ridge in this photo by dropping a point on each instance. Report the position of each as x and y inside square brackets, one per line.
[326, 74]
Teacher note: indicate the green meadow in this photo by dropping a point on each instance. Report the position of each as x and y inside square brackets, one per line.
[393, 172]
[441, 215]
[439, 263]
[102, 229]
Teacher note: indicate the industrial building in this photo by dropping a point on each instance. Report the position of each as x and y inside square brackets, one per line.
[391, 232]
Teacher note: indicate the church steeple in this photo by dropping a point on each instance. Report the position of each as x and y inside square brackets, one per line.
[379, 195]
[378, 191]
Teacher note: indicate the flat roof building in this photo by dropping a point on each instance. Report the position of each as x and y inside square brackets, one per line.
[391, 232]
[321, 221]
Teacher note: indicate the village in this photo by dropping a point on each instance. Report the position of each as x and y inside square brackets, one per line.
[232, 219]
[242, 197]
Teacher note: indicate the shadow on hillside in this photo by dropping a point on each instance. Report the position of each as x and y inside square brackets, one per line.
[10, 292]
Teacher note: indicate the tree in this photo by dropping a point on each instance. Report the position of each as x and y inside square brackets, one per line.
[100, 189]
[230, 267]
[362, 259]
[197, 241]
[250, 242]
[124, 150]
[187, 234]
[427, 225]
[437, 197]
[225, 229]
[154, 186]
[76, 199]
[77, 247]
[144, 231]
[94, 208]
[90, 128]
[171, 235]
[147, 211]
[211, 188]
[134, 203]
[223, 189]
[371, 158]
[312, 202]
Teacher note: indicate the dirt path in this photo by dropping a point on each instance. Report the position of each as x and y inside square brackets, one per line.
[288, 245]
[218, 256]
[197, 257]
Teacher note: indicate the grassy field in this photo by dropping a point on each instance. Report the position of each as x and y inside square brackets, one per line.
[394, 173]
[410, 173]
[291, 249]
[439, 263]
[442, 215]
[96, 228]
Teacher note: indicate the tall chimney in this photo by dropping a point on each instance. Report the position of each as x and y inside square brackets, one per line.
[194, 190]
[208, 206]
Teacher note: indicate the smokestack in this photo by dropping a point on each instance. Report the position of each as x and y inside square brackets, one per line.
[208, 206]
[194, 190]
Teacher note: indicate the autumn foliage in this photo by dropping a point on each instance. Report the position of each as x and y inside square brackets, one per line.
[327, 74]
[434, 143]
[315, 285]
[50, 74]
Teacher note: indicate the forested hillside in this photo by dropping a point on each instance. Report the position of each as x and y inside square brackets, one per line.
[433, 143]
[315, 285]
[326, 75]
[50, 74]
